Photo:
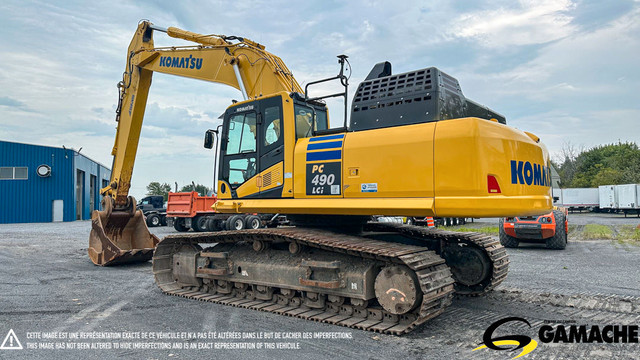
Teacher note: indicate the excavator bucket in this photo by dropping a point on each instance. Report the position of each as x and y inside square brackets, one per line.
[119, 237]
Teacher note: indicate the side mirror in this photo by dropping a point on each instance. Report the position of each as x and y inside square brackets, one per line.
[208, 138]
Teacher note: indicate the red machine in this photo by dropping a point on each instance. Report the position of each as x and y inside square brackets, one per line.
[551, 228]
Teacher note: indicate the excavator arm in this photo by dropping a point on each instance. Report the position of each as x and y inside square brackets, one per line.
[234, 61]
[119, 233]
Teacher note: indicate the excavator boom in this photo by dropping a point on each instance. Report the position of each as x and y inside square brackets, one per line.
[119, 233]
[243, 65]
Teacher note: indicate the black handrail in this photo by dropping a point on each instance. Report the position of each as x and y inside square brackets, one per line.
[344, 80]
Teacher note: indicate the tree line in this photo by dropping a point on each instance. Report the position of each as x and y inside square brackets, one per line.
[611, 164]
[157, 188]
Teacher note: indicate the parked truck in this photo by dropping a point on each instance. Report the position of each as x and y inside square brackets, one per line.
[190, 210]
[154, 210]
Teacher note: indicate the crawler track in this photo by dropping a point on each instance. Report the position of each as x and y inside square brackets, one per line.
[495, 252]
[426, 260]
[433, 276]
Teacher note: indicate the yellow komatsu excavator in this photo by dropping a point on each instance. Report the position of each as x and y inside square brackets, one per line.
[415, 146]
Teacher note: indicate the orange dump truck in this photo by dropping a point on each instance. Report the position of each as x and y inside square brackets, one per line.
[189, 210]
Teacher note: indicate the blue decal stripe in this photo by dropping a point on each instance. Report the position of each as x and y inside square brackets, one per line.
[324, 155]
[323, 138]
[326, 145]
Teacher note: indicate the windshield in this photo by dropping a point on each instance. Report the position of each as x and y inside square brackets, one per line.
[242, 134]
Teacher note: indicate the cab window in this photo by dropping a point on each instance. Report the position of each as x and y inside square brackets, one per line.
[273, 125]
[241, 170]
[304, 119]
[321, 120]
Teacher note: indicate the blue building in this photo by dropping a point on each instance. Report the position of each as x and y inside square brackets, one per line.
[44, 184]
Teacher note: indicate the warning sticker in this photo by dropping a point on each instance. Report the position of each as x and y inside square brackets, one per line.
[11, 342]
[369, 187]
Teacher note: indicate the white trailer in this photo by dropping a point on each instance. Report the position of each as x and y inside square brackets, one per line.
[608, 198]
[627, 196]
[580, 198]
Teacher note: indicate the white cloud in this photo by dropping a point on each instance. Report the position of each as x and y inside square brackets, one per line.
[581, 89]
[593, 65]
[532, 22]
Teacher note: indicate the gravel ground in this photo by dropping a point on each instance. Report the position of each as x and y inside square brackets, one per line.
[48, 286]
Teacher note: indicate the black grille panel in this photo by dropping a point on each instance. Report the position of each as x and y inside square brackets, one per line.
[410, 98]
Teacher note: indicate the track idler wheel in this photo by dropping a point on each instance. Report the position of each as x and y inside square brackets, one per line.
[471, 268]
[119, 236]
[397, 289]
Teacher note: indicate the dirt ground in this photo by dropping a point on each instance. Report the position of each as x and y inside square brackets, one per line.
[60, 306]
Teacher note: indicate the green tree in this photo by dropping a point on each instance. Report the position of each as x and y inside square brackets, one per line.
[607, 176]
[201, 189]
[155, 188]
[610, 164]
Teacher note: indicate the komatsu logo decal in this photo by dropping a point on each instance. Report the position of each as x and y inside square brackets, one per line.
[181, 62]
[244, 108]
[524, 172]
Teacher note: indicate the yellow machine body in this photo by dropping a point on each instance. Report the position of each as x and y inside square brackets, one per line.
[439, 168]
[458, 167]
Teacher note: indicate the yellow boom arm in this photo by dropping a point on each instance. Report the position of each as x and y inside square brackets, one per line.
[234, 61]
[119, 233]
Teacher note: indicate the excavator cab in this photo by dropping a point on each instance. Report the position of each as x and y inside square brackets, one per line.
[120, 236]
[257, 141]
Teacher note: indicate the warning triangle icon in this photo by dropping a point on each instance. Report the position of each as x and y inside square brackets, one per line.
[11, 342]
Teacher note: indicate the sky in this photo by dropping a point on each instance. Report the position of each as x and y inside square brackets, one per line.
[567, 71]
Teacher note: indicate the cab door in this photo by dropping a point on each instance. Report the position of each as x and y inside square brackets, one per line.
[270, 148]
[240, 151]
